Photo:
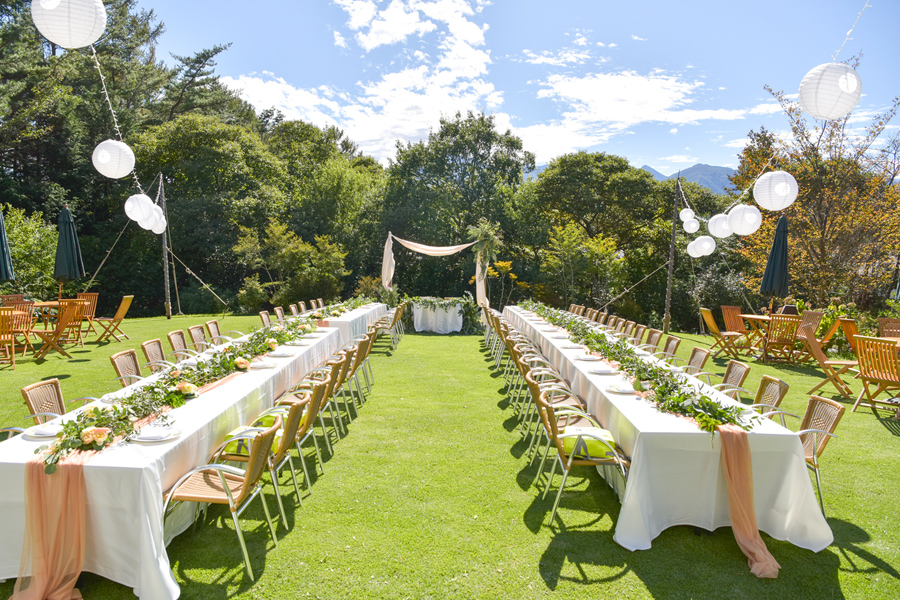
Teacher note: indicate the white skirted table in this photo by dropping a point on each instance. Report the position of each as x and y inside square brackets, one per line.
[438, 320]
[676, 477]
[356, 322]
[125, 539]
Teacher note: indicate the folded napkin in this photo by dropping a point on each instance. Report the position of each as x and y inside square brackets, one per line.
[47, 429]
[155, 433]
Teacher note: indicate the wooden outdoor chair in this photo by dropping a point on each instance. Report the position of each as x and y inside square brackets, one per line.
[733, 379]
[294, 311]
[809, 317]
[279, 314]
[731, 316]
[7, 336]
[89, 311]
[264, 317]
[198, 337]
[724, 340]
[10, 299]
[180, 347]
[769, 394]
[44, 400]
[667, 354]
[818, 425]
[780, 338]
[879, 365]
[23, 324]
[111, 325]
[217, 483]
[156, 356]
[889, 327]
[73, 329]
[53, 337]
[850, 330]
[127, 367]
[833, 369]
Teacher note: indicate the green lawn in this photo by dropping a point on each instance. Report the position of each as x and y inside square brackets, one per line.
[428, 497]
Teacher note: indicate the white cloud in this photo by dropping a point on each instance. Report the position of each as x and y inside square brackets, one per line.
[580, 40]
[559, 59]
[361, 12]
[639, 39]
[339, 40]
[766, 108]
[673, 131]
[613, 45]
[393, 25]
[680, 158]
[739, 143]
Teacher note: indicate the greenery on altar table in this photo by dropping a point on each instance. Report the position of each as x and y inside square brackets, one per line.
[465, 305]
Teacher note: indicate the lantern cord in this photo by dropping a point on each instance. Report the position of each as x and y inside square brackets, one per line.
[665, 264]
[108, 252]
[197, 277]
[849, 33]
[112, 111]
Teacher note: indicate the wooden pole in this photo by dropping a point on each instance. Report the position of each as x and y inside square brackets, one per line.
[165, 249]
[667, 318]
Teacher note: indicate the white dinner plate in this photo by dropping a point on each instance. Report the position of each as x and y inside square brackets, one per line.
[572, 347]
[603, 371]
[297, 343]
[156, 435]
[620, 388]
[280, 354]
[47, 431]
[588, 358]
[550, 329]
[559, 337]
[262, 365]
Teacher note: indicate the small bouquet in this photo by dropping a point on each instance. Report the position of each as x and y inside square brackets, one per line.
[272, 343]
[241, 363]
[186, 389]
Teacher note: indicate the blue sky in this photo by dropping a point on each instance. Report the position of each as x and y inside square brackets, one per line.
[662, 83]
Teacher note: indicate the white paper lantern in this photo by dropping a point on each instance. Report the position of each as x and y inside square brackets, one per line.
[691, 226]
[830, 91]
[775, 190]
[719, 227]
[113, 159]
[686, 214]
[744, 219]
[705, 245]
[160, 226]
[692, 250]
[155, 216]
[69, 23]
[138, 207]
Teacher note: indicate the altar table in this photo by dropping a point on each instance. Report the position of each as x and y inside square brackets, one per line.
[438, 320]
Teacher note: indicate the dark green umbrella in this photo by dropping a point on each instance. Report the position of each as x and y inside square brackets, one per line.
[895, 295]
[68, 253]
[776, 279]
[6, 269]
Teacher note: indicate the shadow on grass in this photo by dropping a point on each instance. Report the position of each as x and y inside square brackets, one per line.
[847, 537]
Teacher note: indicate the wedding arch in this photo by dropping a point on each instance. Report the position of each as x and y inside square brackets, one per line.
[387, 264]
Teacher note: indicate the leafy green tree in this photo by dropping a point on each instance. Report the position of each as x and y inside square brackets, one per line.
[32, 247]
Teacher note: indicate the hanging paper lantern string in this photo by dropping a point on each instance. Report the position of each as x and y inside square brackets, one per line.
[113, 159]
[686, 214]
[691, 226]
[719, 227]
[744, 219]
[830, 91]
[775, 190]
[705, 245]
[69, 23]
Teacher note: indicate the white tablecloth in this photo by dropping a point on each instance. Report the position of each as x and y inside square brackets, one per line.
[125, 541]
[676, 477]
[440, 320]
[355, 323]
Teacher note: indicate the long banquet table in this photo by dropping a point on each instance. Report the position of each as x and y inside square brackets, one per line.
[676, 476]
[125, 539]
[355, 322]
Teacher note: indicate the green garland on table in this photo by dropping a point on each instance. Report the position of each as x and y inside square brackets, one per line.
[98, 427]
[336, 310]
[669, 391]
[468, 308]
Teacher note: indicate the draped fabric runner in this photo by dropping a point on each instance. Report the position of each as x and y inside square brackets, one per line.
[388, 264]
[739, 477]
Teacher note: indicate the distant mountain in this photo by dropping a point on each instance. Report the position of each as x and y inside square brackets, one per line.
[656, 174]
[714, 178]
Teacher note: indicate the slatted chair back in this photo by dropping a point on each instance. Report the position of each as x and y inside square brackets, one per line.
[851, 331]
[22, 323]
[264, 317]
[572, 308]
[782, 334]
[770, 393]
[90, 309]
[731, 315]
[7, 336]
[279, 314]
[127, 367]
[44, 397]
[590, 313]
[822, 414]
[10, 299]
[889, 327]
[879, 364]
[579, 310]
[198, 337]
[73, 329]
[653, 338]
[294, 311]
[52, 338]
[809, 317]
[154, 353]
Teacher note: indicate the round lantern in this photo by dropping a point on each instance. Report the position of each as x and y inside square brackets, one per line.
[160, 226]
[113, 159]
[719, 227]
[830, 91]
[138, 207]
[744, 219]
[149, 222]
[775, 190]
[691, 226]
[705, 245]
[693, 251]
[686, 214]
[69, 23]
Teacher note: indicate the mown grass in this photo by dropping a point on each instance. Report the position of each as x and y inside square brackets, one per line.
[428, 497]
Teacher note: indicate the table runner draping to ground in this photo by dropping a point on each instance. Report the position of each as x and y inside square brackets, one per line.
[676, 475]
[438, 320]
[124, 484]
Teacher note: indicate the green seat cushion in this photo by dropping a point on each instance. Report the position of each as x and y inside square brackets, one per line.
[242, 447]
[589, 446]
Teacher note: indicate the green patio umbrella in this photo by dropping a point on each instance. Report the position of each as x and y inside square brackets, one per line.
[6, 269]
[776, 278]
[895, 295]
[68, 253]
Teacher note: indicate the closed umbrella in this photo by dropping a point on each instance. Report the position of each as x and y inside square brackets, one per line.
[776, 278]
[895, 295]
[6, 269]
[68, 253]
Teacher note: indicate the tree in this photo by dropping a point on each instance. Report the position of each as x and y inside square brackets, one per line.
[32, 247]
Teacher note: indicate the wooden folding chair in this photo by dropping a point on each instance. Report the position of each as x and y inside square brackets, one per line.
[879, 365]
[53, 337]
[89, 311]
[731, 315]
[833, 369]
[850, 330]
[725, 340]
[780, 338]
[111, 325]
[7, 336]
[23, 323]
[889, 327]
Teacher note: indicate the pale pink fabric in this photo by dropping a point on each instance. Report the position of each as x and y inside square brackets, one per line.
[739, 477]
[387, 260]
[53, 549]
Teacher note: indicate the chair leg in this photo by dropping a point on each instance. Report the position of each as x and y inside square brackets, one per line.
[262, 498]
[303, 463]
[327, 439]
[562, 485]
[819, 486]
[240, 534]
[290, 463]
[550, 480]
[274, 475]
